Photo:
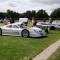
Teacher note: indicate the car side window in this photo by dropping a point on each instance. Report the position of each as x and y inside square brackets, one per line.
[21, 26]
[9, 26]
[14, 26]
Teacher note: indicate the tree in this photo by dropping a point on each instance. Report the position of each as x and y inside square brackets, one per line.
[55, 14]
[41, 14]
[12, 15]
[27, 14]
[9, 13]
[33, 13]
[1, 15]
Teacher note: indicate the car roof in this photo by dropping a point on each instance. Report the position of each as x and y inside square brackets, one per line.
[14, 23]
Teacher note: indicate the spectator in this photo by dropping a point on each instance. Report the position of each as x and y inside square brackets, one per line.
[33, 21]
[47, 29]
[11, 20]
[5, 21]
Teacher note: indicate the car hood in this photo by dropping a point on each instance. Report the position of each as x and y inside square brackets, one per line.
[36, 28]
[33, 28]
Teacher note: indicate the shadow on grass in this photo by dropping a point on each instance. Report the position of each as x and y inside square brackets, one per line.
[26, 37]
[39, 37]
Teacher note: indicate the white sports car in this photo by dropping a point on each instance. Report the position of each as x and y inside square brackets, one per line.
[16, 29]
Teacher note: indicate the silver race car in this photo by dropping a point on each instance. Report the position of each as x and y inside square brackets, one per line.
[16, 29]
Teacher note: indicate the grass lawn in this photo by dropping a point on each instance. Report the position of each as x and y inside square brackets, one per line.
[1, 24]
[55, 56]
[20, 48]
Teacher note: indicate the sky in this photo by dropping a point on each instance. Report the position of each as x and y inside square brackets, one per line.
[22, 6]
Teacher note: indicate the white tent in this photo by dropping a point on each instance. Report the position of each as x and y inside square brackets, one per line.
[23, 19]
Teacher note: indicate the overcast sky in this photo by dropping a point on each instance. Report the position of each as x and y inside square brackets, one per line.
[24, 5]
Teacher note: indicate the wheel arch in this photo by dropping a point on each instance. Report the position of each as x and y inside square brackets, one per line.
[52, 28]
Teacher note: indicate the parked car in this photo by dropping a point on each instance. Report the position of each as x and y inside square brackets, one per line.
[57, 27]
[16, 29]
[47, 24]
[56, 22]
[1, 21]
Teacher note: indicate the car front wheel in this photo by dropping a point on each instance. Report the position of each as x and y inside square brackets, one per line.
[25, 33]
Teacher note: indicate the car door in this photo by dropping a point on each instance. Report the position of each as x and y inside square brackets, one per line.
[6, 30]
[15, 30]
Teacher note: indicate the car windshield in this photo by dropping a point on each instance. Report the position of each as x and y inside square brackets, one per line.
[21, 26]
[42, 27]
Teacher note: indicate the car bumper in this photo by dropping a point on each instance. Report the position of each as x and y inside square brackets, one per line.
[37, 35]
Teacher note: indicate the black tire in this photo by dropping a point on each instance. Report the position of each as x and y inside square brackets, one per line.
[52, 28]
[0, 32]
[25, 33]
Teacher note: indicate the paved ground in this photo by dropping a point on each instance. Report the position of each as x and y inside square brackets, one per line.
[48, 51]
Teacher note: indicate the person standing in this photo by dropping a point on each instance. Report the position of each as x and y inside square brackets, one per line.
[11, 20]
[33, 21]
[5, 21]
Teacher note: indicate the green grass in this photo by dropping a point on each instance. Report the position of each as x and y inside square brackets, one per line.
[1, 24]
[55, 55]
[29, 24]
[20, 48]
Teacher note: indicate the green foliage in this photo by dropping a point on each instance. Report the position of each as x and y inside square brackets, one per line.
[27, 14]
[39, 15]
[1, 15]
[9, 14]
[56, 14]
[42, 14]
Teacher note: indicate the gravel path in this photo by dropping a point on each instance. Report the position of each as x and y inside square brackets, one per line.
[48, 51]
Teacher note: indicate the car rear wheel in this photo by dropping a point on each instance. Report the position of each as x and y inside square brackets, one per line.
[0, 32]
[25, 33]
[52, 28]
